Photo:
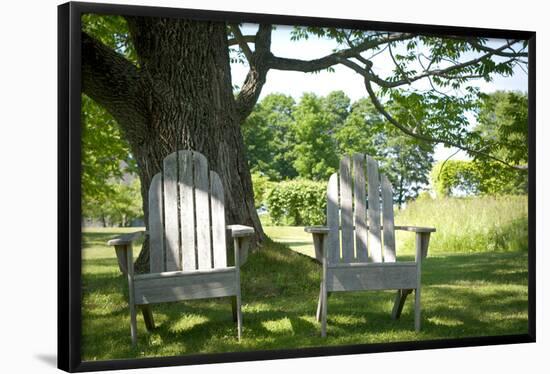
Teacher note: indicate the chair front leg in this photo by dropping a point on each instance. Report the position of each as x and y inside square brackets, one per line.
[422, 242]
[238, 243]
[131, 296]
[324, 296]
[320, 247]
[319, 303]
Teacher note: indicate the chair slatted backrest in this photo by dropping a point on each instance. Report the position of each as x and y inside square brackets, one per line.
[186, 215]
[361, 228]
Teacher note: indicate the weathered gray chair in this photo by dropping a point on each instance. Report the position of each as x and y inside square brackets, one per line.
[352, 221]
[187, 241]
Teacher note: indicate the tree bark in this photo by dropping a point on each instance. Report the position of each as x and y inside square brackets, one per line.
[180, 97]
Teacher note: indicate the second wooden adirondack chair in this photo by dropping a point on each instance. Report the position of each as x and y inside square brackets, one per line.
[354, 218]
[187, 241]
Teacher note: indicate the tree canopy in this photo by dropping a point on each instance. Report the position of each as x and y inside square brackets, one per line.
[311, 136]
[430, 89]
[502, 121]
[433, 111]
[424, 98]
[106, 159]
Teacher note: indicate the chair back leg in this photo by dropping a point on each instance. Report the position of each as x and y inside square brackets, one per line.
[234, 308]
[148, 317]
[399, 302]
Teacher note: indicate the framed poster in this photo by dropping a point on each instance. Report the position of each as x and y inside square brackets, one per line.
[216, 186]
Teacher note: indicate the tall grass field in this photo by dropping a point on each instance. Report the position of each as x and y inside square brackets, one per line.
[465, 225]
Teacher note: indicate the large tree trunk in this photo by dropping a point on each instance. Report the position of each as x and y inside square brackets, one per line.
[182, 98]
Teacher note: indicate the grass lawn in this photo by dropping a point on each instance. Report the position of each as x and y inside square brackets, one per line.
[463, 295]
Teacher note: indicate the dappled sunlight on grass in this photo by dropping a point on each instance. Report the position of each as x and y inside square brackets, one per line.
[346, 319]
[445, 321]
[293, 236]
[256, 307]
[186, 322]
[282, 325]
[463, 295]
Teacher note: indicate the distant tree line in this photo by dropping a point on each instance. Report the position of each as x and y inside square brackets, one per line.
[286, 140]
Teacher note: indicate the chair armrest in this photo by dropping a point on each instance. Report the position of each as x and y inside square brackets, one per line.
[325, 230]
[126, 238]
[241, 236]
[415, 228]
[239, 231]
[319, 235]
[422, 239]
[317, 230]
[123, 250]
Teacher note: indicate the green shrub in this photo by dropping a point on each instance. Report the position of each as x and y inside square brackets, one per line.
[297, 202]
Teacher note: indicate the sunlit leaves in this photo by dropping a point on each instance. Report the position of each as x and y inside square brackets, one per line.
[111, 31]
[269, 139]
[106, 156]
[502, 121]
[314, 134]
[456, 177]
[440, 116]
[315, 149]
[450, 67]
[405, 160]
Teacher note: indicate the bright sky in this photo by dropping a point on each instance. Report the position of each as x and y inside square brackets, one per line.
[297, 83]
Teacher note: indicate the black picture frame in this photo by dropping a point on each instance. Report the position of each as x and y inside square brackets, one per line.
[69, 188]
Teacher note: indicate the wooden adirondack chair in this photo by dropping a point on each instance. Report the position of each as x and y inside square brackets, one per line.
[188, 257]
[352, 221]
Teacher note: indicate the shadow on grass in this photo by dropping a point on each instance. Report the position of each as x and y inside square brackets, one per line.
[463, 295]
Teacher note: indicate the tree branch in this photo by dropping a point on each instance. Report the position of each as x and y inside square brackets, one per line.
[256, 77]
[244, 38]
[397, 66]
[344, 57]
[378, 105]
[474, 43]
[242, 42]
[306, 66]
[444, 73]
[110, 80]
